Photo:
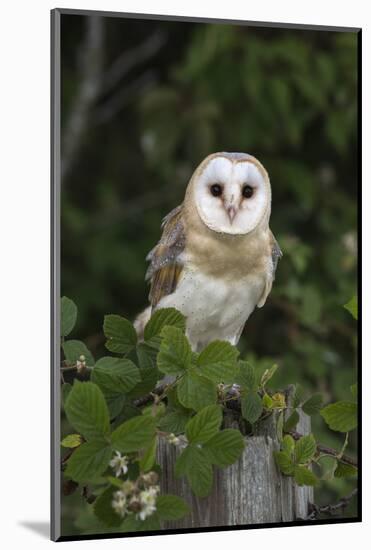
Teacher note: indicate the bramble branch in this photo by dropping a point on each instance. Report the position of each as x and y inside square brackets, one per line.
[234, 404]
[72, 368]
[329, 451]
[331, 509]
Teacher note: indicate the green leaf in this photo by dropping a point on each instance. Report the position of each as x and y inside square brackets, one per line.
[247, 376]
[146, 356]
[225, 447]
[218, 362]
[313, 405]
[279, 400]
[173, 401]
[206, 423]
[128, 411]
[268, 374]
[156, 410]
[298, 396]
[120, 334]
[340, 416]
[68, 315]
[184, 461]
[71, 441]
[290, 423]
[73, 349]
[279, 425]
[171, 507]
[89, 461]
[305, 449]
[251, 406]
[149, 457]
[352, 307]
[303, 476]
[149, 377]
[114, 481]
[115, 403]
[66, 388]
[87, 411]
[345, 470]
[134, 434]
[162, 318]
[132, 524]
[267, 401]
[115, 375]
[196, 392]
[288, 445]
[103, 508]
[284, 463]
[195, 465]
[175, 352]
[174, 422]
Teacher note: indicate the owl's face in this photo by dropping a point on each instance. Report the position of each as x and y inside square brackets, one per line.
[232, 193]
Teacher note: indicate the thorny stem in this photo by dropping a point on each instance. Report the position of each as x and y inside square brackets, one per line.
[71, 368]
[87, 495]
[341, 453]
[67, 456]
[331, 509]
[170, 386]
[344, 446]
[158, 394]
[329, 451]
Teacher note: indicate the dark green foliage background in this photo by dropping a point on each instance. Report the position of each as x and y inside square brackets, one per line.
[286, 96]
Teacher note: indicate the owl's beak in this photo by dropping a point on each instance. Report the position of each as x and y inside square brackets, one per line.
[231, 211]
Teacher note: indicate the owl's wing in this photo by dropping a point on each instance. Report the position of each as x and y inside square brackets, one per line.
[276, 254]
[165, 265]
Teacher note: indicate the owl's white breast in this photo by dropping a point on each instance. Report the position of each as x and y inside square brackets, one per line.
[216, 309]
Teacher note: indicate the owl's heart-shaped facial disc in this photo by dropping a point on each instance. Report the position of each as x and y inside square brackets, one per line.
[232, 195]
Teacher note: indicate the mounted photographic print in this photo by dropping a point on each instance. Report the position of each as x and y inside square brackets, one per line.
[205, 176]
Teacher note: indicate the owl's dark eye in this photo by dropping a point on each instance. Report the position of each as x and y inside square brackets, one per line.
[216, 190]
[247, 191]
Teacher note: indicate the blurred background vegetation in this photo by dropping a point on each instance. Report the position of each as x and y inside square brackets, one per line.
[143, 102]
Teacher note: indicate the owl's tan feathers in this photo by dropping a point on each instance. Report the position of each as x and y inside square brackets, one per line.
[214, 270]
[165, 267]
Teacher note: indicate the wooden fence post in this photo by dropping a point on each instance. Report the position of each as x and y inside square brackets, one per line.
[251, 491]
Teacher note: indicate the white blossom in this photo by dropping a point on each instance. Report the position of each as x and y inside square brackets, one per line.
[173, 439]
[81, 363]
[150, 478]
[127, 486]
[119, 503]
[147, 500]
[119, 464]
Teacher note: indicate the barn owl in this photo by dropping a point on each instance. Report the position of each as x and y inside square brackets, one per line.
[217, 257]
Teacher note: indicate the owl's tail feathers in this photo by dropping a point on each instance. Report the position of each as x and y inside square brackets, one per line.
[141, 321]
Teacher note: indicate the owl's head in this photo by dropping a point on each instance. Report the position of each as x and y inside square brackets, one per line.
[231, 192]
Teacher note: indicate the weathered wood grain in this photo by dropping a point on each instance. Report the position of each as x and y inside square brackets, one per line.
[251, 491]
